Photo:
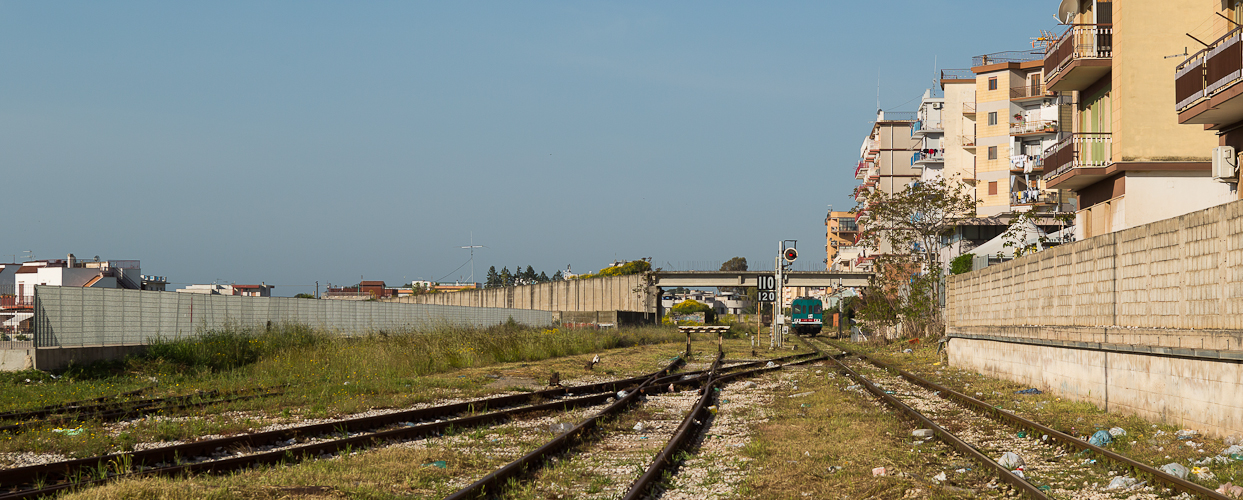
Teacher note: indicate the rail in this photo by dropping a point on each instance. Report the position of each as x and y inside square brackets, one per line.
[1011, 56]
[1054, 435]
[1034, 127]
[1032, 91]
[1209, 71]
[1080, 41]
[957, 74]
[1093, 149]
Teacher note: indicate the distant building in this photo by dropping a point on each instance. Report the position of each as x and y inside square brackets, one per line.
[722, 303]
[73, 272]
[261, 290]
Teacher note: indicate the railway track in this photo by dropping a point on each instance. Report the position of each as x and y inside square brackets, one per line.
[648, 482]
[309, 441]
[1055, 465]
[111, 411]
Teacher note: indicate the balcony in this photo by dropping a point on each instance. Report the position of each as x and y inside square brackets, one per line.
[1078, 160]
[1080, 57]
[1034, 127]
[968, 141]
[1031, 197]
[962, 75]
[1206, 85]
[928, 156]
[924, 127]
[1034, 91]
[861, 170]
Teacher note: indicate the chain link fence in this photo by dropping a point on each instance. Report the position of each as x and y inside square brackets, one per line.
[73, 316]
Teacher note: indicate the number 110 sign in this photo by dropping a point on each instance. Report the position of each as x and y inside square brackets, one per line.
[767, 287]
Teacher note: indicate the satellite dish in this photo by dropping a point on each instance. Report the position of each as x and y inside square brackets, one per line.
[96, 258]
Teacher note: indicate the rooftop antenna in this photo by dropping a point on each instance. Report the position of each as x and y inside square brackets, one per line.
[472, 248]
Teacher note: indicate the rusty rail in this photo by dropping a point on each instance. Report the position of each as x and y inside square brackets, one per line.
[1031, 426]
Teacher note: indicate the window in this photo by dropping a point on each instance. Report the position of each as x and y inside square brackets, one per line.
[992, 83]
[992, 153]
[992, 118]
[992, 187]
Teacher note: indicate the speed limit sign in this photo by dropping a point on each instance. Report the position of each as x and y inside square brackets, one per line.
[767, 296]
[767, 283]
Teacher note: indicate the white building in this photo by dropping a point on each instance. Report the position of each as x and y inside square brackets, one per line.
[261, 290]
[72, 272]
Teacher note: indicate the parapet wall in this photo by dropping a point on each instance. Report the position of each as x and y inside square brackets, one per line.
[615, 293]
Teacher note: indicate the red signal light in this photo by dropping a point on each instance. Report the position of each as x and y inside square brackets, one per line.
[791, 254]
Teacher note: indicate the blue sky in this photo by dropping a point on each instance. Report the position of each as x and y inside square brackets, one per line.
[289, 142]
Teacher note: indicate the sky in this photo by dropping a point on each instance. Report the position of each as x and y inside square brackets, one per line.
[295, 142]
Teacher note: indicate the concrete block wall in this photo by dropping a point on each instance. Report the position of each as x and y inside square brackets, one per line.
[1184, 273]
[1198, 394]
[1175, 284]
[614, 293]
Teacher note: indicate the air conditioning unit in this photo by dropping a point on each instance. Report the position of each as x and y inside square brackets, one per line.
[1225, 164]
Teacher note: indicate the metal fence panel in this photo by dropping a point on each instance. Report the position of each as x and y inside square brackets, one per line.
[74, 317]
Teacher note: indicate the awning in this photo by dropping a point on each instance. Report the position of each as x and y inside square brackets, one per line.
[1030, 234]
[18, 318]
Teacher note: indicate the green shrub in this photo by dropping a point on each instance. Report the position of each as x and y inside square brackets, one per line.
[961, 264]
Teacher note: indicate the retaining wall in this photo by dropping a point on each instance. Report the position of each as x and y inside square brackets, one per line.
[1148, 320]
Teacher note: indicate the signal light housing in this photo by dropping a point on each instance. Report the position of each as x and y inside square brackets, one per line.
[790, 254]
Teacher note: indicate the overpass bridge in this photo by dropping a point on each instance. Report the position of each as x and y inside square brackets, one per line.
[691, 279]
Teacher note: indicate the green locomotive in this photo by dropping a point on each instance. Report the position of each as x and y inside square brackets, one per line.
[807, 315]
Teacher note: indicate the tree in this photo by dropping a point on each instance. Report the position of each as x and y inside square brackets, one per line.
[905, 229]
[493, 279]
[507, 279]
[543, 278]
[734, 264]
[304, 296]
[557, 276]
[529, 277]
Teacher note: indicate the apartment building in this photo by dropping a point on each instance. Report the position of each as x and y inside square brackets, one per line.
[928, 132]
[1208, 85]
[886, 162]
[840, 232]
[1126, 156]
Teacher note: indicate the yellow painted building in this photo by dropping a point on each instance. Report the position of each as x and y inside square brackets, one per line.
[1127, 157]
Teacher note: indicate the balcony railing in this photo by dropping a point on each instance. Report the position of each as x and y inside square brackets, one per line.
[928, 156]
[898, 116]
[957, 74]
[1013, 56]
[968, 141]
[1209, 71]
[12, 301]
[968, 108]
[1078, 151]
[1034, 127]
[1030, 196]
[927, 127]
[1081, 41]
[1031, 91]
[861, 170]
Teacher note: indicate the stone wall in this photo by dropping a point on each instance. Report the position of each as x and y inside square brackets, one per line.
[616, 293]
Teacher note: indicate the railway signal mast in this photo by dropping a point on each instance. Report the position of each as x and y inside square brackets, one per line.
[788, 252]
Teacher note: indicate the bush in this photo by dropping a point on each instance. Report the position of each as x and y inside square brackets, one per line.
[962, 263]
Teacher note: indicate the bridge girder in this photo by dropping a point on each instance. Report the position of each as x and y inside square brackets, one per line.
[673, 279]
